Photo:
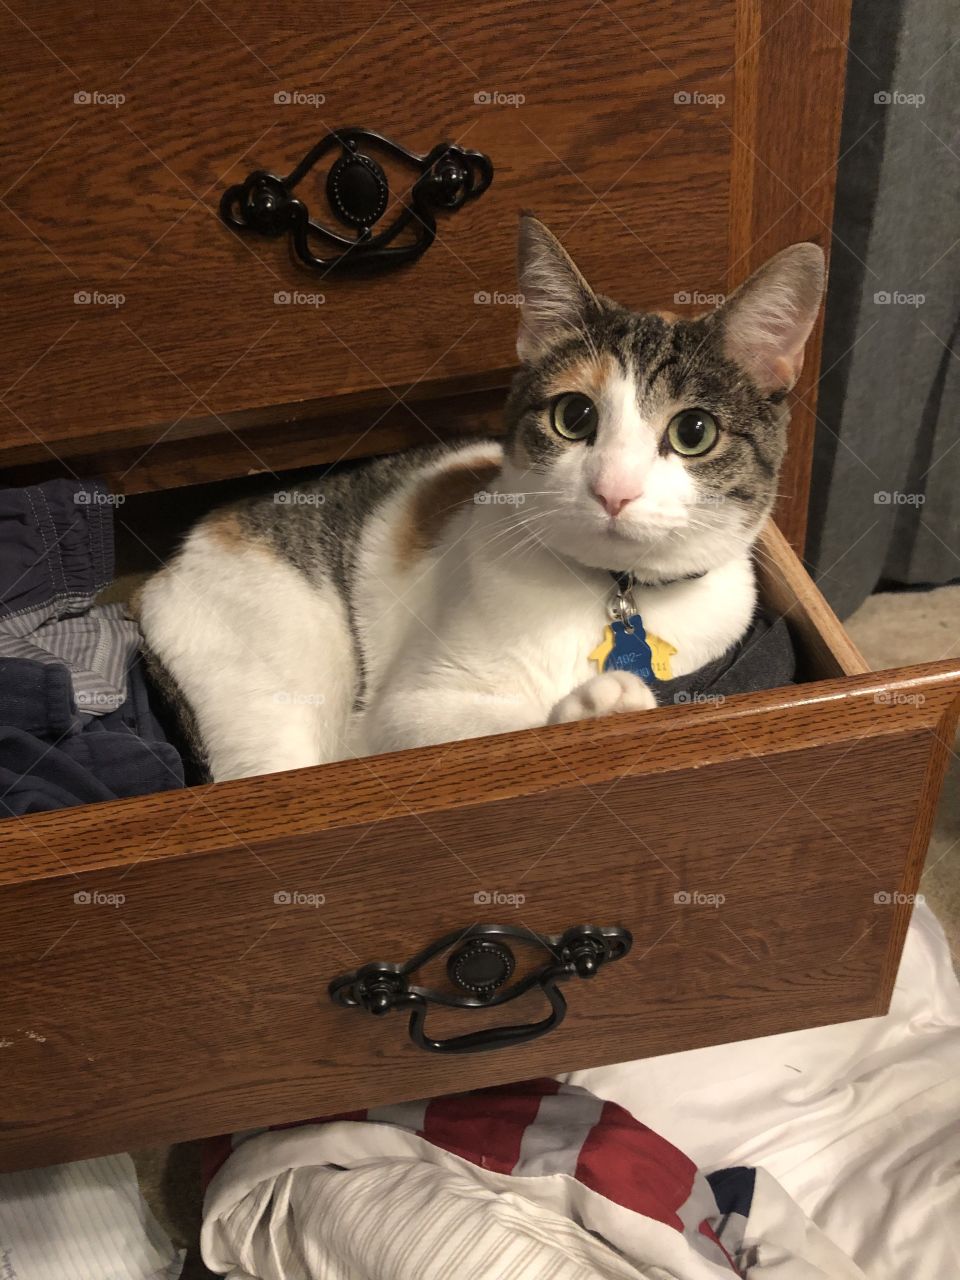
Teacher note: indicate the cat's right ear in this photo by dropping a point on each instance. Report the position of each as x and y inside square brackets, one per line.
[767, 322]
[556, 298]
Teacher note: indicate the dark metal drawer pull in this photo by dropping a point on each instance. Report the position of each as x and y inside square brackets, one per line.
[481, 965]
[358, 193]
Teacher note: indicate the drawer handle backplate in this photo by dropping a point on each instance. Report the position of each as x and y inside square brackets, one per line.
[358, 193]
[480, 967]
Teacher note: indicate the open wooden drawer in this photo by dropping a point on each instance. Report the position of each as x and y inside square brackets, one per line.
[166, 959]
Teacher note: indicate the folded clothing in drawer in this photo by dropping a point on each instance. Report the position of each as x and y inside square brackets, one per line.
[76, 725]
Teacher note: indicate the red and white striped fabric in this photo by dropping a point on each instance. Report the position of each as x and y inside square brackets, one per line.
[527, 1181]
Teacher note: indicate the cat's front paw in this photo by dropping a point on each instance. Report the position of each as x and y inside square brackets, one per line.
[604, 695]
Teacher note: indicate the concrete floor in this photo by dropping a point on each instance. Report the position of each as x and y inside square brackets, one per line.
[891, 630]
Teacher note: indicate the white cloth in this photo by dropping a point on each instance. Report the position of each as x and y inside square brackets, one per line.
[351, 1200]
[859, 1122]
[82, 1221]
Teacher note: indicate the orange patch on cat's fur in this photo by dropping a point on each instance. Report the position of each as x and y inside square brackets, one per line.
[588, 374]
[435, 499]
[224, 527]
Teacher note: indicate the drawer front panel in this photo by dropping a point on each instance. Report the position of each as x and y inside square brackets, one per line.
[174, 983]
[124, 198]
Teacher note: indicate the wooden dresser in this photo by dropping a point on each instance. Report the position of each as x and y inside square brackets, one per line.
[672, 148]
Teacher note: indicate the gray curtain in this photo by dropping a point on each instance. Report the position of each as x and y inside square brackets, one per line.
[885, 505]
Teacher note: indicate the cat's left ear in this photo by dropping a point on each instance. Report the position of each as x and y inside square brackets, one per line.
[767, 322]
[556, 298]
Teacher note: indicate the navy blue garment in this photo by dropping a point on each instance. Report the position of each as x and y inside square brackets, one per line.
[56, 544]
[52, 758]
[764, 659]
[56, 554]
[58, 648]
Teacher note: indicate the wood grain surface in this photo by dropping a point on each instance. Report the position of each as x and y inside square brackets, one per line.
[671, 150]
[157, 988]
[123, 199]
[791, 64]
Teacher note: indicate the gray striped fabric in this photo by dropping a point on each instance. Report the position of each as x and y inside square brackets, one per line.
[97, 645]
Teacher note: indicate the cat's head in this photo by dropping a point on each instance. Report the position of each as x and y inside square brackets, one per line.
[642, 441]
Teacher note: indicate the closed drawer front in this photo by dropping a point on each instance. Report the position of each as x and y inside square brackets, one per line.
[640, 134]
[166, 960]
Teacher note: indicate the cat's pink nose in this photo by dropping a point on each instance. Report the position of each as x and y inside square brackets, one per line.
[612, 500]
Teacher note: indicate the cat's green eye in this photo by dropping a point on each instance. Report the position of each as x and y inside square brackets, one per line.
[692, 432]
[574, 416]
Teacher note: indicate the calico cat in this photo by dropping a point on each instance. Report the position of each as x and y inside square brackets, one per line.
[460, 590]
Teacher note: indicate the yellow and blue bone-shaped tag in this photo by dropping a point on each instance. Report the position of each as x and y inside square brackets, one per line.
[633, 648]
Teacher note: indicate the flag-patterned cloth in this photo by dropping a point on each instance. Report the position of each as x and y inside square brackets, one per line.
[588, 1189]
